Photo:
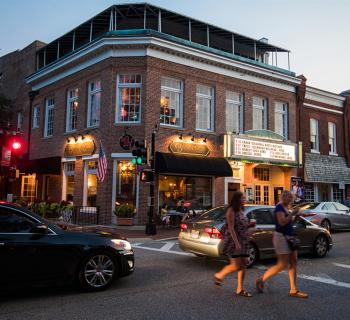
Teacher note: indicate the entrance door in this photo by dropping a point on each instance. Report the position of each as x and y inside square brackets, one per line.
[323, 193]
[262, 194]
[277, 194]
[231, 188]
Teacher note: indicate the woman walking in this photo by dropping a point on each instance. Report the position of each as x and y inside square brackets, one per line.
[236, 245]
[286, 257]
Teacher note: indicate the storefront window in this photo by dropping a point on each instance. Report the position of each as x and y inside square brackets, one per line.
[126, 183]
[192, 192]
[28, 188]
[69, 169]
[309, 192]
[337, 193]
[91, 171]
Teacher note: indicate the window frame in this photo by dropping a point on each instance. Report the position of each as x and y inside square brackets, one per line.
[36, 117]
[47, 109]
[20, 121]
[284, 112]
[70, 102]
[240, 105]
[181, 104]
[264, 109]
[332, 146]
[90, 93]
[128, 85]
[211, 97]
[317, 136]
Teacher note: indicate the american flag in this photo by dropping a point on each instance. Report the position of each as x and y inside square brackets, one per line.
[102, 164]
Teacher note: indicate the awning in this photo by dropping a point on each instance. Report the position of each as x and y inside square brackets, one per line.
[50, 165]
[194, 165]
[326, 169]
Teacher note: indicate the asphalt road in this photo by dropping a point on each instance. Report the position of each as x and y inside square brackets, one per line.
[168, 284]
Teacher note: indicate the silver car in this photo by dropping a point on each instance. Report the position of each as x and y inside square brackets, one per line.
[329, 215]
[202, 237]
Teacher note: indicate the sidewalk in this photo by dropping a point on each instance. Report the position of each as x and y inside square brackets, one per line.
[134, 233]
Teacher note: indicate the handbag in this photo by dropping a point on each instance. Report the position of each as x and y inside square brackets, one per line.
[293, 242]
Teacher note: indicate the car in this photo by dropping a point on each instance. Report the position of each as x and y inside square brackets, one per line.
[202, 237]
[35, 252]
[329, 215]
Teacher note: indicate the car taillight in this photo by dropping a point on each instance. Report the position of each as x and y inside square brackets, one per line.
[183, 227]
[308, 214]
[213, 233]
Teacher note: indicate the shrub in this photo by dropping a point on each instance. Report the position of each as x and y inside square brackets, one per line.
[125, 211]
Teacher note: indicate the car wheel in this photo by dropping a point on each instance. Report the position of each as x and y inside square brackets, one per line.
[321, 246]
[97, 271]
[253, 255]
[326, 224]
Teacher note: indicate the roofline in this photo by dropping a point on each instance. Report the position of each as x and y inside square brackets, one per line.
[325, 93]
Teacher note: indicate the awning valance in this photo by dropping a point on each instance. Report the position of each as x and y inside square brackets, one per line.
[326, 169]
[193, 165]
[50, 165]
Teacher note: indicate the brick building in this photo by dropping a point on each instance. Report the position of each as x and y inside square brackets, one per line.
[227, 117]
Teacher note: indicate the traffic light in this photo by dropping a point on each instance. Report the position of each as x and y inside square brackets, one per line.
[16, 145]
[140, 153]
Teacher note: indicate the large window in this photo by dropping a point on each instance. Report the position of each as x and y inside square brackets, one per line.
[332, 138]
[20, 120]
[129, 98]
[234, 112]
[309, 190]
[72, 110]
[204, 108]
[28, 188]
[171, 102]
[314, 135]
[36, 116]
[259, 113]
[49, 117]
[91, 187]
[126, 183]
[94, 103]
[281, 119]
[69, 171]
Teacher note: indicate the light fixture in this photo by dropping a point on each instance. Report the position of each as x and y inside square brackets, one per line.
[192, 139]
[68, 140]
[205, 139]
[75, 138]
[180, 136]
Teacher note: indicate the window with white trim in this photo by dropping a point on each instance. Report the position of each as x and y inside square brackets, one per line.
[28, 187]
[314, 135]
[94, 103]
[171, 102]
[204, 108]
[72, 109]
[259, 113]
[234, 112]
[129, 98]
[309, 192]
[36, 116]
[332, 137]
[20, 120]
[49, 117]
[69, 171]
[91, 187]
[281, 119]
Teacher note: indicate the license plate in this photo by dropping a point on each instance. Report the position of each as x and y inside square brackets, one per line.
[195, 234]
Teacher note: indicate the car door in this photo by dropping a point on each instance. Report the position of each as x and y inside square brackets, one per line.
[305, 235]
[263, 233]
[343, 215]
[330, 213]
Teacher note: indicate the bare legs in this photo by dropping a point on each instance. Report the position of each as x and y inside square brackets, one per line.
[282, 264]
[236, 264]
[292, 272]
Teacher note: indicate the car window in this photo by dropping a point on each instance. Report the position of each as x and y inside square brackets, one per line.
[262, 216]
[214, 214]
[329, 207]
[341, 207]
[12, 222]
[308, 206]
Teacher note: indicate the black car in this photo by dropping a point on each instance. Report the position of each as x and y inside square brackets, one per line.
[34, 251]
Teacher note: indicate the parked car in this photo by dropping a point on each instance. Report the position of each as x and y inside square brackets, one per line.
[202, 237]
[329, 215]
[34, 251]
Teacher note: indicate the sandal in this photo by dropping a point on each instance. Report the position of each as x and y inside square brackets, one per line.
[259, 285]
[298, 294]
[217, 282]
[245, 294]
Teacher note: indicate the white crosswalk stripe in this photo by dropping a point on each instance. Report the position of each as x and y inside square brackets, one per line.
[346, 266]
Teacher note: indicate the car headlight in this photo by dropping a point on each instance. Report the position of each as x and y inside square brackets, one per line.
[122, 244]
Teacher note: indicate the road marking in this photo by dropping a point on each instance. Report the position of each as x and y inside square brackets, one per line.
[325, 280]
[167, 246]
[165, 239]
[164, 251]
[342, 265]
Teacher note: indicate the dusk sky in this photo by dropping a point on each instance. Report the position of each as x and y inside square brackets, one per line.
[316, 31]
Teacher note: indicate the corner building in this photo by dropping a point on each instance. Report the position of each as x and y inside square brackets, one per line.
[225, 112]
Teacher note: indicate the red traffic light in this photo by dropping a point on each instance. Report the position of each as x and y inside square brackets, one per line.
[16, 145]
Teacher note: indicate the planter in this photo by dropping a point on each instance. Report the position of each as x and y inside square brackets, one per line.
[125, 221]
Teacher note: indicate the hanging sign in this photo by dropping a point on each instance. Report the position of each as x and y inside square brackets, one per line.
[126, 141]
[190, 148]
[79, 148]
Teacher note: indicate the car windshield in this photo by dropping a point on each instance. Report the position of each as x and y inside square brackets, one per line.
[214, 214]
[307, 206]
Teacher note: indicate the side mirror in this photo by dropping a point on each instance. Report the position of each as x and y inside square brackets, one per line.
[40, 228]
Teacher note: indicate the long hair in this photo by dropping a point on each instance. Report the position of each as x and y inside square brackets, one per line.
[236, 201]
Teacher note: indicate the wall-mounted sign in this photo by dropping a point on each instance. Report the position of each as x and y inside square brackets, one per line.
[126, 141]
[194, 149]
[5, 157]
[79, 148]
[254, 149]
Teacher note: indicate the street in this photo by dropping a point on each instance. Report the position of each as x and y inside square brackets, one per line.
[170, 284]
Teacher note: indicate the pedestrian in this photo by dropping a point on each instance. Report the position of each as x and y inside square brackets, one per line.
[235, 243]
[283, 239]
[347, 201]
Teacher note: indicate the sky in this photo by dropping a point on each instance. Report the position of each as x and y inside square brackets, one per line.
[317, 32]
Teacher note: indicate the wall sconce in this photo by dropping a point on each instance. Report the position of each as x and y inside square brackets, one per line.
[192, 139]
[204, 139]
[75, 138]
[180, 136]
[68, 140]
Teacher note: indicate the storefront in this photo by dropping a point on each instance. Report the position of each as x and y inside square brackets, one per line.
[263, 164]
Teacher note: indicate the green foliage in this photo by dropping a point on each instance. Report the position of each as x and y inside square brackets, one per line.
[125, 211]
[50, 209]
